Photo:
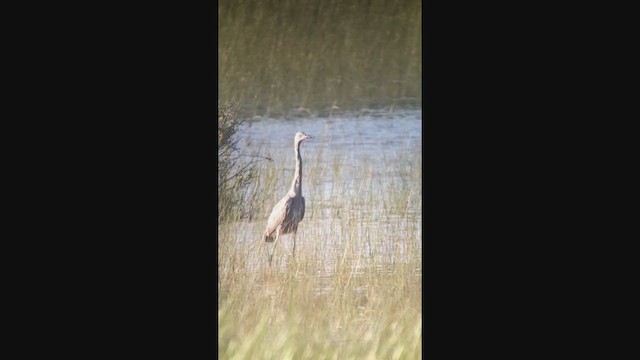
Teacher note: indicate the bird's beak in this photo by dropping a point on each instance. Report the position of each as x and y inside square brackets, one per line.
[308, 137]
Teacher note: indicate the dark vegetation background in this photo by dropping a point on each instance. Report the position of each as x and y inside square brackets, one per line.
[275, 56]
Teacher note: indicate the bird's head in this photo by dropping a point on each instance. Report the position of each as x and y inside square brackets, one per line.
[300, 136]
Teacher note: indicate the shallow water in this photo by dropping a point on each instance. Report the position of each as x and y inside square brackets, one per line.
[343, 144]
[344, 213]
[355, 136]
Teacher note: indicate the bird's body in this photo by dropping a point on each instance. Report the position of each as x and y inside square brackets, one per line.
[289, 211]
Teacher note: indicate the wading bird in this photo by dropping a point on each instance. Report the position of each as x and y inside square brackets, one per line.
[289, 211]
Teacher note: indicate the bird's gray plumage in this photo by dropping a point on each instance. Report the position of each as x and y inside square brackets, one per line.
[289, 211]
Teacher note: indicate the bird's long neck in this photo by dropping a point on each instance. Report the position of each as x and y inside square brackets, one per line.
[296, 184]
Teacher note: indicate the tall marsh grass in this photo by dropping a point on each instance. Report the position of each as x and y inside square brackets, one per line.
[354, 289]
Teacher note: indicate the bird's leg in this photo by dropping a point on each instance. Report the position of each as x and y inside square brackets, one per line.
[264, 247]
[294, 244]
[273, 249]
